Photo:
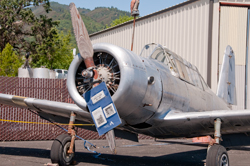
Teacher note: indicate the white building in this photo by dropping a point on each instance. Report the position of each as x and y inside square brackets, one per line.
[199, 31]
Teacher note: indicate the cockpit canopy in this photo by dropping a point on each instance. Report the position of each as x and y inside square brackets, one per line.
[178, 66]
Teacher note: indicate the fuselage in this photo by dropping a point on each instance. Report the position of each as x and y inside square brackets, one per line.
[178, 96]
[151, 88]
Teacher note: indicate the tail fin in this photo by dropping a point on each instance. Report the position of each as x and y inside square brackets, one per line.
[226, 87]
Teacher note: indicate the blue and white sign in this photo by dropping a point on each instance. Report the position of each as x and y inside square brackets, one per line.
[102, 109]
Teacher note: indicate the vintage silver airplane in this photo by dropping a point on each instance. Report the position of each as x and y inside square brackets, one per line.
[158, 94]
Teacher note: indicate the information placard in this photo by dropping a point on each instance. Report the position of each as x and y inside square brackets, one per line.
[102, 109]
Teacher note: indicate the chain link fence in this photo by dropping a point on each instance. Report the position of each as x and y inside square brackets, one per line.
[47, 89]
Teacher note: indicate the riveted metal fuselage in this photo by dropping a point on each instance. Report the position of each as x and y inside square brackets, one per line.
[148, 94]
[145, 106]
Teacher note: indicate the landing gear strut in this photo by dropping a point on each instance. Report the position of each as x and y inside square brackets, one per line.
[217, 154]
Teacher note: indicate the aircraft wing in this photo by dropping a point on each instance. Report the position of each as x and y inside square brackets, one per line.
[46, 106]
[209, 115]
[59, 109]
[179, 124]
[192, 124]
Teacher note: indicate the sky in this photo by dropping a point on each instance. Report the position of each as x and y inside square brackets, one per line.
[146, 6]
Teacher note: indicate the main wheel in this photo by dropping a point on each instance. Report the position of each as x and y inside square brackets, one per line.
[59, 148]
[217, 156]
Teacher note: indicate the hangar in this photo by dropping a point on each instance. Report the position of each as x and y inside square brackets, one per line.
[198, 31]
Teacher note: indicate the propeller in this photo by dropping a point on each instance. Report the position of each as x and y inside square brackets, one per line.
[82, 37]
[86, 50]
[84, 45]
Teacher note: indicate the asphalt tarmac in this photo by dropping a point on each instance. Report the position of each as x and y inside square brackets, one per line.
[174, 152]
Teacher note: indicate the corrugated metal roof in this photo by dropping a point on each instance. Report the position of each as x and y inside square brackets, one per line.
[147, 16]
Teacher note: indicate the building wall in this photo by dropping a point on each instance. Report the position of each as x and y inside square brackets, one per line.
[240, 87]
[248, 73]
[233, 32]
[215, 46]
[184, 30]
[216, 51]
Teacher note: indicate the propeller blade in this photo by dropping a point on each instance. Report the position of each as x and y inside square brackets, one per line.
[86, 50]
[82, 37]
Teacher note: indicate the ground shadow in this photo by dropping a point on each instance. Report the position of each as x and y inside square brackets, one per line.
[189, 158]
[194, 158]
[41, 153]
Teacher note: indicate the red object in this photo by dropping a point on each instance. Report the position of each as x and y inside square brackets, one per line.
[205, 139]
[132, 5]
[234, 4]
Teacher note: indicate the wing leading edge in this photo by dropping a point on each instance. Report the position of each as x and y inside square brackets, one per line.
[191, 124]
[46, 106]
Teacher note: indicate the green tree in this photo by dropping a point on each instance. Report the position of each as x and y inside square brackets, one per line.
[55, 52]
[38, 35]
[19, 26]
[120, 20]
[9, 62]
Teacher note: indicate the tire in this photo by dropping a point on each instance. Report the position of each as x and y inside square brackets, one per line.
[217, 156]
[59, 148]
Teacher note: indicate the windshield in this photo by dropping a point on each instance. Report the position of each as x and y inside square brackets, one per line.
[158, 54]
[148, 49]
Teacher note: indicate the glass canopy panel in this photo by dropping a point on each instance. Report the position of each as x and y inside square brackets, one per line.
[148, 50]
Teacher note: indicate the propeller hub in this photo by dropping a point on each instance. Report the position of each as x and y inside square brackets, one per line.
[104, 73]
[87, 74]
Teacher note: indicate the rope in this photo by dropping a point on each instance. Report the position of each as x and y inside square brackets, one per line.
[58, 125]
[15, 121]
[85, 141]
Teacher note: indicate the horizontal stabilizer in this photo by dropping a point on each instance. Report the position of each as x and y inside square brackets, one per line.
[226, 87]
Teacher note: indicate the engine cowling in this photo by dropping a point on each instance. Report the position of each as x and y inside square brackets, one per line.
[127, 78]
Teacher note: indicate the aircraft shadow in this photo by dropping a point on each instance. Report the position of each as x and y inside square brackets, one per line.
[29, 152]
[187, 158]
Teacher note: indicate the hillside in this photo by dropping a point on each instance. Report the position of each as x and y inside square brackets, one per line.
[106, 15]
[95, 20]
